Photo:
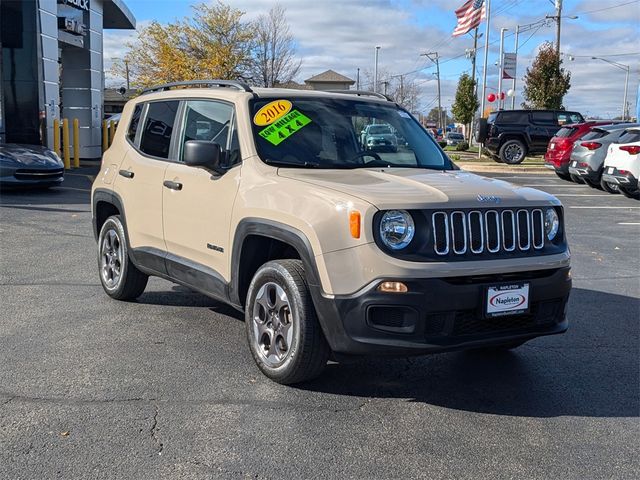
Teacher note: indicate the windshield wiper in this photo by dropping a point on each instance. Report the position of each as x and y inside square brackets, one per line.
[282, 163]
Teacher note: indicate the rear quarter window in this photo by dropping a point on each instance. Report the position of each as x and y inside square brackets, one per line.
[566, 132]
[546, 118]
[630, 136]
[133, 124]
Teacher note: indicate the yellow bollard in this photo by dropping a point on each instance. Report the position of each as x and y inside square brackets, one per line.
[65, 144]
[56, 136]
[76, 143]
[105, 136]
[112, 131]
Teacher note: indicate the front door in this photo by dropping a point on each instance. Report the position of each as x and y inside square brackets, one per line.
[197, 204]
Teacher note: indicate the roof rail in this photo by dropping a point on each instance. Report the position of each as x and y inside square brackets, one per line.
[363, 93]
[200, 83]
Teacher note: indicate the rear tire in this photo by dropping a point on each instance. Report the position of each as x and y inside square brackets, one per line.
[119, 276]
[283, 332]
[576, 179]
[513, 152]
[633, 194]
[609, 187]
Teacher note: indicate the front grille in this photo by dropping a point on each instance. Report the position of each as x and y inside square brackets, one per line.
[489, 231]
[34, 174]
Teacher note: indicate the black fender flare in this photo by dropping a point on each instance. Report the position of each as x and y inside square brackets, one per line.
[277, 231]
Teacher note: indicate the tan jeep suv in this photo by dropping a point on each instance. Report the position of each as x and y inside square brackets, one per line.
[268, 200]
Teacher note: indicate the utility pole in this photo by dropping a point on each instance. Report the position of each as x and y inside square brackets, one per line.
[375, 71]
[515, 76]
[433, 56]
[558, 25]
[401, 89]
[627, 68]
[386, 84]
[358, 79]
[126, 67]
[473, 55]
[501, 68]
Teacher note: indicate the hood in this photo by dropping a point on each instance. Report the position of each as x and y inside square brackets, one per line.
[412, 188]
[28, 155]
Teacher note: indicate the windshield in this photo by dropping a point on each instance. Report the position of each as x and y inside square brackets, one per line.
[336, 133]
[456, 136]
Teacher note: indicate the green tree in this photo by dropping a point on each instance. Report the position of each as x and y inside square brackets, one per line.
[466, 103]
[546, 82]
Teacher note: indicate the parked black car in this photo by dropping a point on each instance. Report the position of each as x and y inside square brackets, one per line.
[29, 166]
[511, 135]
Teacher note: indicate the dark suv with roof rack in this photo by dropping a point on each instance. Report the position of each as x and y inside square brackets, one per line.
[511, 135]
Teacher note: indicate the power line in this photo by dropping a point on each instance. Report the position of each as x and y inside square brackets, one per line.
[608, 8]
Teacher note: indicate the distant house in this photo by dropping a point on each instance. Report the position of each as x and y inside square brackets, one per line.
[329, 80]
[114, 100]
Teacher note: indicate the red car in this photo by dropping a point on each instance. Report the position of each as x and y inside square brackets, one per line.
[560, 146]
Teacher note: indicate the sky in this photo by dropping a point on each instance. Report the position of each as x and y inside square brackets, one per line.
[342, 35]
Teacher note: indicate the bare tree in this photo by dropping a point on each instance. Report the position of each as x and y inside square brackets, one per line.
[401, 89]
[274, 53]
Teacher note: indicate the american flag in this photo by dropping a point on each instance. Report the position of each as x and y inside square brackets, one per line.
[469, 16]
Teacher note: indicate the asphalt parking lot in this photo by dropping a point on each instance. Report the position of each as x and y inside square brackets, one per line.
[166, 387]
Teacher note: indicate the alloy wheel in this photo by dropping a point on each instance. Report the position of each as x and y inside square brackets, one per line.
[272, 324]
[111, 259]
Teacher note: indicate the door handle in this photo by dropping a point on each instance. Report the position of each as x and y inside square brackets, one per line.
[126, 173]
[172, 185]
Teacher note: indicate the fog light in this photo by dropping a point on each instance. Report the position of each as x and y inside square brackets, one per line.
[393, 287]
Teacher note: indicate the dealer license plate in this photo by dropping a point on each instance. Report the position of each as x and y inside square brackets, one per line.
[574, 164]
[507, 299]
[610, 170]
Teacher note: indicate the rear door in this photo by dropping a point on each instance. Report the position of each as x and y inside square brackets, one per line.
[543, 127]
[197, 213]
[141, 175]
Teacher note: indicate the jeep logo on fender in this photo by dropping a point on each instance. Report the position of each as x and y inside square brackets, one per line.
[81, 4]
[489, 199]
[507, 300]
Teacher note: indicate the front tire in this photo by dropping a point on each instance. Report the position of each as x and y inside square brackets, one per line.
[119, 276]
[283, 332]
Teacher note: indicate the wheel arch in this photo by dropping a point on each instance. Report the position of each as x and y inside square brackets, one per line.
[257, 241]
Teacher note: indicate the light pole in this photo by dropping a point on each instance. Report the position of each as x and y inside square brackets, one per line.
[502, 31]
[627, 68]
[433, 56]
[375, 71]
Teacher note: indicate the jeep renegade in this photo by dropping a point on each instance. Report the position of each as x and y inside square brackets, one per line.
[268, 200]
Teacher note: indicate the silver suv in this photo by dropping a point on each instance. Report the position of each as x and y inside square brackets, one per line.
[266, 199]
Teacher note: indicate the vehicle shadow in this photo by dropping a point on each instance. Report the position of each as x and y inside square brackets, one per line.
[593, 370]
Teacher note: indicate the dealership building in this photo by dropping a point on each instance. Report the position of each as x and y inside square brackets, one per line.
[52, 67]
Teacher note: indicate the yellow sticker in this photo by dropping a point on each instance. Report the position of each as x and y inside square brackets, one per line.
[271, 112]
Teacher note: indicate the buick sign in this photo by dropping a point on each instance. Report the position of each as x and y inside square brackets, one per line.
[489, 199]
[81, 4]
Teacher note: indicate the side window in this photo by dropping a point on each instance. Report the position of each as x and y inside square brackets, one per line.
[133, 125]
[575, 118]
[158, 126]
[206, 120]
[545, 118]
[514, 117]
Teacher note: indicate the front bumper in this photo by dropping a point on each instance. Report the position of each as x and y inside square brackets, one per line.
[441, 314]
[31, 177]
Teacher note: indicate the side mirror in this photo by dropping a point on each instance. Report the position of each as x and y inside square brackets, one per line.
[202, 153]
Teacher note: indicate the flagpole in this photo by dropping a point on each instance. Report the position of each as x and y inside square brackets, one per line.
[486, 60]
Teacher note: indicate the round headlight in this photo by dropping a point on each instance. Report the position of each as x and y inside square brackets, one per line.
[551, 223]
[397, 229]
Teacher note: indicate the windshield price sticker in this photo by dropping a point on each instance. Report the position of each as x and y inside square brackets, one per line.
[285, 127]
[271, 112]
